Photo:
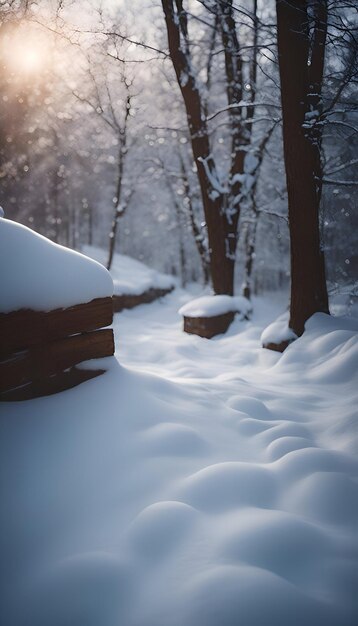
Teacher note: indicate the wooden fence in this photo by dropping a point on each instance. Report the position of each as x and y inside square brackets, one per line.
[39, 351]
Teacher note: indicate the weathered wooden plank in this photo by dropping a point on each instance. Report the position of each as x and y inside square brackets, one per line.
[208, 327]
[277, 347]
[50, 385]
[25, 328]
[129, 301]
[45, 360]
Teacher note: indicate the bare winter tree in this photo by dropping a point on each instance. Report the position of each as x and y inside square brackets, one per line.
[121, 200]
[252, 169]
[221, 200]
[178, 179]
[196, 229]
[115, 114]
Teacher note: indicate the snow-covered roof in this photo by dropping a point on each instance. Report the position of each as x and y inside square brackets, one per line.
[37, 274]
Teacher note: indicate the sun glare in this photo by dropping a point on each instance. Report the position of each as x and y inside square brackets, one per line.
[27, 57]
[23, 52]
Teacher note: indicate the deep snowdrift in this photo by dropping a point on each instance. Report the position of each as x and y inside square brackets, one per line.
[218, 489]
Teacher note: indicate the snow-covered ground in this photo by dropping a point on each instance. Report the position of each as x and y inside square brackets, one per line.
[196, 483]
[130, 276]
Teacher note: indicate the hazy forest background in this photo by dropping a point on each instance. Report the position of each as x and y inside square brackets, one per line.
[93, 129]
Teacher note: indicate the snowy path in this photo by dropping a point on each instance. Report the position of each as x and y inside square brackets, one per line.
[198, 483]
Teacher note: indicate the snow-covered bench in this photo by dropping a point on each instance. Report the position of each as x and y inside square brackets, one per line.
[54, 306]
[212, 315]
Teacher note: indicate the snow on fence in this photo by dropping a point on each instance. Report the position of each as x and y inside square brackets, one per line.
[55, 305]
[134, 282]
[129, 301]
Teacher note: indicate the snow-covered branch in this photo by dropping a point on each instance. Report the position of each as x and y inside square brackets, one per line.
[241, 105]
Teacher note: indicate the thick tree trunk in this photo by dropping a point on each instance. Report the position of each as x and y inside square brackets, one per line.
[302, 162]
[222, 242]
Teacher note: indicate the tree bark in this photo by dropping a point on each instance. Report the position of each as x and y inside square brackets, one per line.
[221, 227]
[119, 206]
[198, 237]
[302, 139]
[251, 231]
[250, 246]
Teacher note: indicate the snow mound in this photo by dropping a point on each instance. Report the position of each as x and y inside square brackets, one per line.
[229, 485]
[327, 350]
[228, 595]
[278, 332]
[209, 306]
[159, 528]
[37, 274]
[255, 540]
[131, 277]
[250, 406]
[172, 439]
[329, 496]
